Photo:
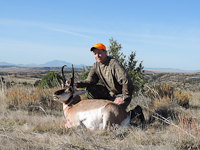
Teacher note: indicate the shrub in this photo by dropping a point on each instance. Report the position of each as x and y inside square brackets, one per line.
[161, 91]
[182, 98]
[37, 82]
[167, 92]
[136, 73]
[52, 79]
[85, 72]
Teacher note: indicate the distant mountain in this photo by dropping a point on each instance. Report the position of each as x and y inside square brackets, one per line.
[6, 64]
[54, 63]
[167, 70]
[28, 64]
[59, 63]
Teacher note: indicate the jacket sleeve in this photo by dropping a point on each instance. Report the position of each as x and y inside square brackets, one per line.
[91, 80]
[124, 80]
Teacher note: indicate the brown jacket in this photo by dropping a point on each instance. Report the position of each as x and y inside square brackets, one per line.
[113, 76]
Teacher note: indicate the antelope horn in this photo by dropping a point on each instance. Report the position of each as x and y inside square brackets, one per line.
[72, 78]
[63, 76]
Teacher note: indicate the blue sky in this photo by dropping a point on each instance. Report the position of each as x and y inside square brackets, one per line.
[164, 34]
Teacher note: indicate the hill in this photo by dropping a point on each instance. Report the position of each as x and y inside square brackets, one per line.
[54, 63]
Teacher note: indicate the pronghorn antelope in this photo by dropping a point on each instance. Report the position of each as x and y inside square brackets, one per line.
[92, 114]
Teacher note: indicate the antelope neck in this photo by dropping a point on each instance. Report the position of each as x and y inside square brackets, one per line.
[70, 100]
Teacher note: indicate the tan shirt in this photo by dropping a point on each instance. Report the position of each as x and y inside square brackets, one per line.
[112, 74]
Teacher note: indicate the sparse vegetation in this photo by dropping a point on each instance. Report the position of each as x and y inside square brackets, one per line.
[167, 92]
[30, 119]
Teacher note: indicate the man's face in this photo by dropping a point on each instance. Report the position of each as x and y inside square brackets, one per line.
[100, 55]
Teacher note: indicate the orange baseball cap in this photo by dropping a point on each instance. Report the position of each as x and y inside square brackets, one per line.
[98, 46]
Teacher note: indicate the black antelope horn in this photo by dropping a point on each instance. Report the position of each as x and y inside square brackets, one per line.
[63, 76]
[72, 78]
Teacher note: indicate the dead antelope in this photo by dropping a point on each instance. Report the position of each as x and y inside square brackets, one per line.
[92, 114]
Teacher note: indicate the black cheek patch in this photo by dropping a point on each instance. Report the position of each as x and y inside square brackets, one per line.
[59, 92]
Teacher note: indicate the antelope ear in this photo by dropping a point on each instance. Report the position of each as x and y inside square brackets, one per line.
[80, 92]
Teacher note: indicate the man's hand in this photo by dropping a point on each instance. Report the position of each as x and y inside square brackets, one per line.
[119, 101]
[67, 84]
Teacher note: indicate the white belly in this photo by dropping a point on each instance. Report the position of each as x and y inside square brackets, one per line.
[92, 119]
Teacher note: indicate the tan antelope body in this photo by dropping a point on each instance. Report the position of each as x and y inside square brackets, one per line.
[92, 114]
[95, 114]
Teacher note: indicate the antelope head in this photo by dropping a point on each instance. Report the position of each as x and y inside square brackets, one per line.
[67, 94]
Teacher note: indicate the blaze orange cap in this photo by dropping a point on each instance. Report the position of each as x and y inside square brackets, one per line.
[98, 46]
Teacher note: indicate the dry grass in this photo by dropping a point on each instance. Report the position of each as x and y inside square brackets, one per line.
[31, 98]
[169, 125]
[164, 93]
